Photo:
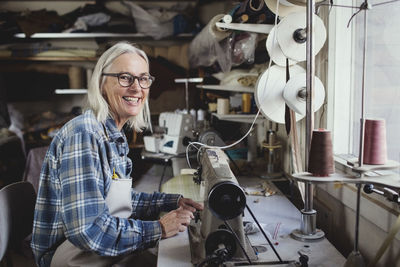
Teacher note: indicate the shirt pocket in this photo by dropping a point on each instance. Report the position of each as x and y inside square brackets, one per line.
[119, 199]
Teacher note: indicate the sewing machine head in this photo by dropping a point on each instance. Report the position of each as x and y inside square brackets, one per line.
[177, 131]
[220, 235]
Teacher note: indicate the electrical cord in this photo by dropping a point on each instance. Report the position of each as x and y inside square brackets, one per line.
[219, 256]
[208, 260]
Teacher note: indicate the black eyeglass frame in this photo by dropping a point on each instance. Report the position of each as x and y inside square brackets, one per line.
[152, 78]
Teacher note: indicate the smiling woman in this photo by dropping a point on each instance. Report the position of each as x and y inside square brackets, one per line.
[87, 213]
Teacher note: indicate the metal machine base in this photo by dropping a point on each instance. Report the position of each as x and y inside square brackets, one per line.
[299, 235]
[308, 231]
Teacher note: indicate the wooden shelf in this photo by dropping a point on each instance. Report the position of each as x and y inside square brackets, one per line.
[232, 88]
[48, 58]
[86, 35]
[70, 91]
[245, 118]
[248, 27]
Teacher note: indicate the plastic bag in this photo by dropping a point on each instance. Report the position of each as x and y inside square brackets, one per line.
[151, 23]
[207, 47]
[243, 48]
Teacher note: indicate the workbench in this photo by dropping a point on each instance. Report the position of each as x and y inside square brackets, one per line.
[278, 216]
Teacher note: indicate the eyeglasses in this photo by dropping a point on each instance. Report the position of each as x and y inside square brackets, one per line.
[126, 79]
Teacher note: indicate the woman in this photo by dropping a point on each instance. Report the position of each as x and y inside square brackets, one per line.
[86, 211]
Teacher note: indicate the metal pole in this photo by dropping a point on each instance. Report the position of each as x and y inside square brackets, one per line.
[308, 201]
[308, 214]
[357, 217]
[355, 258]
[186, 81]
[187, 96]
[308, 197]
[362, 124]
[362, 120]
[310, 73]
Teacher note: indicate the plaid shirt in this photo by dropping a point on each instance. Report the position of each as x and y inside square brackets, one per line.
[74, 182]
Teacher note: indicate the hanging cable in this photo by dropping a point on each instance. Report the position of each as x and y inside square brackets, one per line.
[384, 3]
[262, 231]
[363, 6]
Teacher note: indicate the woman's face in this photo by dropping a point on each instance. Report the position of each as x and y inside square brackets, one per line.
[125, 102]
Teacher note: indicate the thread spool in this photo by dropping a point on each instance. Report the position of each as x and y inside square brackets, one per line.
[272, 153]
[193, 113]
[200, 115]
[227, 18]
[256, 12]
[256, 5]
[215, 32]
[75, 75]
[246, 103]
[212, 107]
[222, 106]
[375, 149]
[320, 162]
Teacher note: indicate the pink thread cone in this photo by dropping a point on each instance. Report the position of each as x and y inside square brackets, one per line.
[375, 150]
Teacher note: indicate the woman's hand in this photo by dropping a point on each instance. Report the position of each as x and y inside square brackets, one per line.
[189, 204]
[175, 221]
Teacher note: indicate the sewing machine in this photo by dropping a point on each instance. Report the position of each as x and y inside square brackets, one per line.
[220, 236]
[217, 237]
[177, 132]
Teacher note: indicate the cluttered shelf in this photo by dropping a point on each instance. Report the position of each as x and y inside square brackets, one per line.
[47, 52]
[81, 32]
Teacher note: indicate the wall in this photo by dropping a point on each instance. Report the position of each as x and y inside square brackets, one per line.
[336, 205]
[336, 213]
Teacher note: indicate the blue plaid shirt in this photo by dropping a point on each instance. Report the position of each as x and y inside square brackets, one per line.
[74, 181]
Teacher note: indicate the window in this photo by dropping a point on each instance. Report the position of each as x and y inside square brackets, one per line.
[382, 88]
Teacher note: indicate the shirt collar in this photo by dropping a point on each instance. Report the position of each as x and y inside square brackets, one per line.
[112, 131]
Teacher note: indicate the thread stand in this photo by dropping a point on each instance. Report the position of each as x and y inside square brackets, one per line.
[355, 258]
[186, 81]
[308, 231]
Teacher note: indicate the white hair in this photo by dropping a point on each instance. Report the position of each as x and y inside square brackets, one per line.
[95, 99]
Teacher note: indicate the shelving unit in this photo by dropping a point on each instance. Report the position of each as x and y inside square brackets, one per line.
[245, 118]
[238, 89]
